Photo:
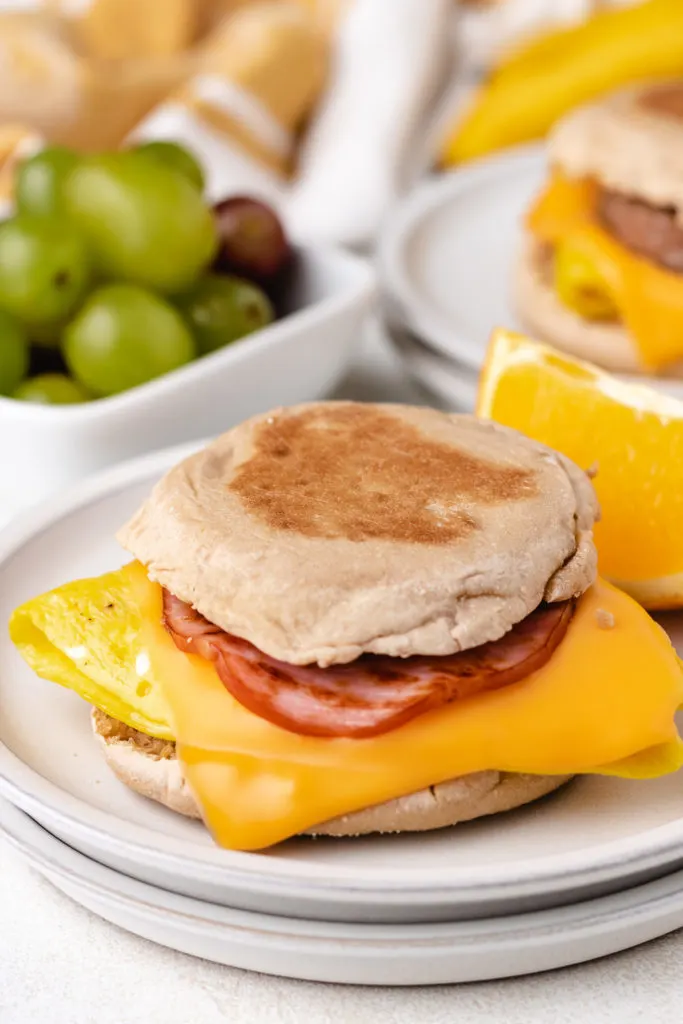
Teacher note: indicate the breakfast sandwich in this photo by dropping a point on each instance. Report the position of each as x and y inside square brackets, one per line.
[344, 618]
[601, 271]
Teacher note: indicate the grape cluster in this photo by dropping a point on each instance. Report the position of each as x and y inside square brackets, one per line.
[114, 271]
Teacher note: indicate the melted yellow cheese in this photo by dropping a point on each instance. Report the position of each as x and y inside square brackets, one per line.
[605, 696]
[649, 298]
[605, 703]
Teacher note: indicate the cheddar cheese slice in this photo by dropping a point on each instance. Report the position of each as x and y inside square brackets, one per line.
[604, 703]
[648, 297]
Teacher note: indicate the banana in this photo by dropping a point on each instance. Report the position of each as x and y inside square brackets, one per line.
[543, 80]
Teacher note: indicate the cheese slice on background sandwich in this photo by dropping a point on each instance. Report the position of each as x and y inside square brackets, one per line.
[601, 273]
[348, 618]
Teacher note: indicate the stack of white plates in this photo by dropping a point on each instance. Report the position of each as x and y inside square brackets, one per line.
[446, 260]
[596, 868]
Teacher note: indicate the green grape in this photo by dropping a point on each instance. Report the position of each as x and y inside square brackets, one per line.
[223, 309]
[144, 222]
[51, 389]
[124, 336]
[44, 270]
[14, 356]
[173, 155]
[40, 179]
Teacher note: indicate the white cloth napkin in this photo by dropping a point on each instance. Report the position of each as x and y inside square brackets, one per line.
[385, 107]
[387, 64]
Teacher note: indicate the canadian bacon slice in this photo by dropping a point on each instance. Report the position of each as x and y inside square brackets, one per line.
[374, 694]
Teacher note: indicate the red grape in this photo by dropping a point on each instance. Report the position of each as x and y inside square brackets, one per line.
[253, 243]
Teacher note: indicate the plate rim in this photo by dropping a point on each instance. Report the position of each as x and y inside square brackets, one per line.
[404, 302]
[430, 368]
[44, 799]
[394, 279]
[76, 867]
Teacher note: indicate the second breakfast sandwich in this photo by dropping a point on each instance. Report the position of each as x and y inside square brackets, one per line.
[601, 272]
[347, 618]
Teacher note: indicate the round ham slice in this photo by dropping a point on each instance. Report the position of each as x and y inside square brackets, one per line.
[374, 694]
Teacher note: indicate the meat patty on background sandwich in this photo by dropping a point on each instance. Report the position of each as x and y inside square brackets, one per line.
[601, 271]
[348, 618]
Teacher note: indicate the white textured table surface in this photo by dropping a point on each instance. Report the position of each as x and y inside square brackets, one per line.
[61, 965]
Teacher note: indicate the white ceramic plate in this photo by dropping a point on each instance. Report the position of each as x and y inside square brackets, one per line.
[596, 835]
[446, 256]
[452, 383]
[361, 954]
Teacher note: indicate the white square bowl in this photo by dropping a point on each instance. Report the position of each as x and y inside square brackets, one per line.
[298, 358]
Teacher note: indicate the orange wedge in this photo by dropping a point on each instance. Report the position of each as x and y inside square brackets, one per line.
[631, 434]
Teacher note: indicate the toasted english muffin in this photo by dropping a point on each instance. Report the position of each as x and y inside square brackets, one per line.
[325, 531]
